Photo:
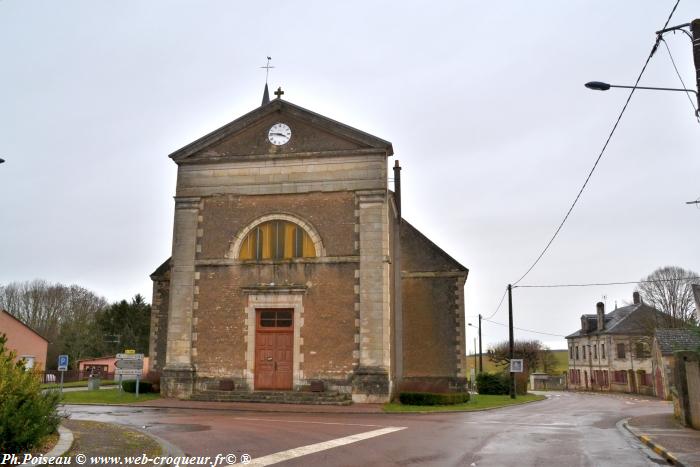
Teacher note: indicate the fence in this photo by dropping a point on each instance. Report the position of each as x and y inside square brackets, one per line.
[54, 376]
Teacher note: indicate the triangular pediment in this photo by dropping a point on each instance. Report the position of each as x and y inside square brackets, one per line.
[248, 136]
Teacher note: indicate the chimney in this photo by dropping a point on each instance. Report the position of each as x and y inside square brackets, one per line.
[584, 324]
[600, 312]
[397, 187]
[695, 28]
[635, 298]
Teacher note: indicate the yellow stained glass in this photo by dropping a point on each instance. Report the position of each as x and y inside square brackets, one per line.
[277, 240]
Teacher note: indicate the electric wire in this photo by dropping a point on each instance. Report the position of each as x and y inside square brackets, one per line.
[602, 151]
[545, 286]
[673, 62]
[499, 305]
[527, 330]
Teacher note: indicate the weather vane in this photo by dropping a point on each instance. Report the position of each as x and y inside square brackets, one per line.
[267, 69]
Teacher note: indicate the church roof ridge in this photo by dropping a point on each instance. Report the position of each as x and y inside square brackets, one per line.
[273, 106]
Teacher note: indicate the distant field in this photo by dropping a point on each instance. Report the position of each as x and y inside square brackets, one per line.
[561, 358]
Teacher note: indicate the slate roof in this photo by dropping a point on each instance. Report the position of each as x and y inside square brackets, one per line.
[632, 319]
[672, 340]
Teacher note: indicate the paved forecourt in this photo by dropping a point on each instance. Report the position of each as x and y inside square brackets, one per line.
[568, 428]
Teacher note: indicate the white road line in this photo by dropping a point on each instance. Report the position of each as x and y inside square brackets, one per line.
[298, 421]
[318, 447]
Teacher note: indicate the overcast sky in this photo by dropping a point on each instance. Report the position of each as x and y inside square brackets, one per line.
[483, 101]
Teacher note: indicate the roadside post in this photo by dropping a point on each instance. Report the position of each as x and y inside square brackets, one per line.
[62, 367]
[129, 363]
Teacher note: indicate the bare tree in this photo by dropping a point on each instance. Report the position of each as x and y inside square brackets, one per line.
[65, 315]
[669, 290]
[529, 351]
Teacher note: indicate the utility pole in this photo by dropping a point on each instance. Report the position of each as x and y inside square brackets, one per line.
[695, 29]
[510, 339]
[475, 354]
[481, 363]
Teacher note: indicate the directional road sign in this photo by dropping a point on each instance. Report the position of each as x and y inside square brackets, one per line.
[129, 356]
[62, 362]
[129, 364]
[128, 371]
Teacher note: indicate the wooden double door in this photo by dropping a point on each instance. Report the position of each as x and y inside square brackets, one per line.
[274, 347]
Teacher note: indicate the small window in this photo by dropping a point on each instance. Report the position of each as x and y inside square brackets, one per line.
[276, 319]
[571, 352]
[595, 351]
[641, 350]
[577, 352]
[620, 350]
[584, 351]
[602, 351]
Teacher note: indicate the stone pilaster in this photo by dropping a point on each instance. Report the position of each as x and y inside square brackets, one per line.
[372, 377]
[178, 375]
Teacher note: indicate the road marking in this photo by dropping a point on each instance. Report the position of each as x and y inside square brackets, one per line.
[318, 447]
[546, 425]
[299, 421]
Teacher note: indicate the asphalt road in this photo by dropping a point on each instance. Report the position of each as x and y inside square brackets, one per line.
[567, 429]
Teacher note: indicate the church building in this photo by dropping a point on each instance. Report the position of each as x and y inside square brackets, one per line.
[293, 271]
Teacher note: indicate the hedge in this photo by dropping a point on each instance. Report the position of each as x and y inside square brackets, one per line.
[492, 383]
[130, 386]
[429, 398]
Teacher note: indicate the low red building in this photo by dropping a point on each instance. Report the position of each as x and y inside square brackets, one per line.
[24, 341]
[103, 366]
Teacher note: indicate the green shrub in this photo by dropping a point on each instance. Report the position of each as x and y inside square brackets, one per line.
[130, 386]
[492, 383]
[26, 414]
[429, 398]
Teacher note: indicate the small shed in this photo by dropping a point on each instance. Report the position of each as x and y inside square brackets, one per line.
[665, 343]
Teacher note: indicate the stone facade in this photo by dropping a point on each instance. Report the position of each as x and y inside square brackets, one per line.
[349, 329]
[612, 352]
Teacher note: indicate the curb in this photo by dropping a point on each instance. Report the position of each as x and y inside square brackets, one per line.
[657, 448]
[65, 441]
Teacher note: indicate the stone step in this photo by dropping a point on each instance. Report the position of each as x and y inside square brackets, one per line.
[277, 397]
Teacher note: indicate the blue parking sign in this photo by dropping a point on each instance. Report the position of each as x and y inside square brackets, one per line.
[62, 362]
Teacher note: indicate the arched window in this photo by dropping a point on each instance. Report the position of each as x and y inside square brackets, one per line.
[277, 239]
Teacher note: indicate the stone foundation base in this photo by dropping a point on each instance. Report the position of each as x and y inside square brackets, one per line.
[177, 382]
[371, 386]
[438, 384]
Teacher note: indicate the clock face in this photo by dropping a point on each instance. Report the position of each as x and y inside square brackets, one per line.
[279, 134]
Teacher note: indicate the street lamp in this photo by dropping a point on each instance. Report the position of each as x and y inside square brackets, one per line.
[601, 86]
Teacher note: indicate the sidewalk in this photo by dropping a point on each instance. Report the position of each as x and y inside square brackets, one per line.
[262, 406]
[662, 433]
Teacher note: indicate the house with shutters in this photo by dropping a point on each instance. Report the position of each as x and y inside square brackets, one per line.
[292, 269]
[612, 351]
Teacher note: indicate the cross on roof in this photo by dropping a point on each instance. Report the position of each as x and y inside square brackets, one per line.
[267, 68]
[279, 92]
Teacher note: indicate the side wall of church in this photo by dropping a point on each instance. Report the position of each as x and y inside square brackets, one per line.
[432, 316]
[159, 321]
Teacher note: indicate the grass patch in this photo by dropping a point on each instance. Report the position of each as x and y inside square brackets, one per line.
[477, 402]
[77, 384]
[106, 397]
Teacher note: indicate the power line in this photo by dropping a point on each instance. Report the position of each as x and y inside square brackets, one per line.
[602, 151]
[499, 305]
[544, 286]
[526, 330]
[673, 62]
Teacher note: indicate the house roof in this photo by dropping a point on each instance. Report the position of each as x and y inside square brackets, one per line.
[672, 340]
[20, 322]
[638, 318]
[277, 105]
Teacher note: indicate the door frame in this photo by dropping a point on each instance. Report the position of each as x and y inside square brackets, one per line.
[287, 298]
[286, 331]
